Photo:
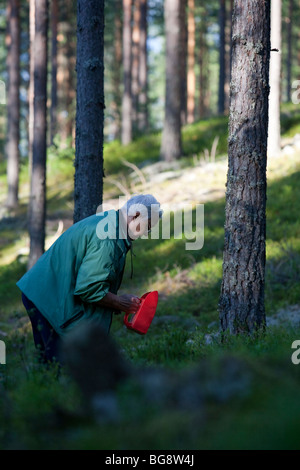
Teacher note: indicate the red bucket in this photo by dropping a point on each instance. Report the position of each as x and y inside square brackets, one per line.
[145, 314]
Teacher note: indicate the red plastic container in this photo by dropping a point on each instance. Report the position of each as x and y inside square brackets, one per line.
[142, 320]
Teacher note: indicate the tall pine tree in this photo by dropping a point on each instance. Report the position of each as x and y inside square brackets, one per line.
[90, 108]
[242, 293]
[37, 207]
[171, 145]
[13, 103]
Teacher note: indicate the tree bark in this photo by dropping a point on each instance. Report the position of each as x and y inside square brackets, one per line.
[90, 108]
[222, 70]
[31, 86]
[37, 210]
[298, 49]
[127, 63]
[191, 77]
[53, 111]
[116, 78]
[289, 58]
[143, 117]
[183, 61]
[228, 35]
[13, 104]
[241, 304]
[204, 96]
[71, 64]
[171, 146]
[136, 32]
[66, 62]
[274, 140]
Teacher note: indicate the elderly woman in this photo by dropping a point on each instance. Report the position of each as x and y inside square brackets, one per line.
[78, 278]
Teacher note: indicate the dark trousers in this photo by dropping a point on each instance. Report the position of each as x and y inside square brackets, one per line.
[46, 340]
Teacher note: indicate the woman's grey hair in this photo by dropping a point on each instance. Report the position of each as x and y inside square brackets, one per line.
[146, 204]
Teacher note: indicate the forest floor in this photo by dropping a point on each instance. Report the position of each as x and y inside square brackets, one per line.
[189, 389]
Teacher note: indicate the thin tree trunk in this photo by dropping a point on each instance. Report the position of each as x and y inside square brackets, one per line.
[241, 303]
[13, 104]
[143, 121]
[171, 146]
[201, 77]
[71, 61]
[63, 73]
[183, 61]
[290, 50]
[222, 24]
[274, 140]
[191, 77]
[127, 63]
[135, 62]
[66, 61]
[37, 212]
[228, 34]
[298, 48]
[203, 69]
[31, 85]
[90, 108]
[117, 99]
[53, 111]
[231, 30]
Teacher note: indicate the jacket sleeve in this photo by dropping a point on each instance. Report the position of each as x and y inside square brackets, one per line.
[96, 272]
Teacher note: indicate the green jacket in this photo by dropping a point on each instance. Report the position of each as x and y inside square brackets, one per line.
[77, 271]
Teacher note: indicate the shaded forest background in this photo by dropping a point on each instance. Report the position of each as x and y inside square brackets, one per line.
[207, 55]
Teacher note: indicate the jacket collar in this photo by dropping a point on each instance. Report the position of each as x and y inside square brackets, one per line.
[125, 238]
[121, 232]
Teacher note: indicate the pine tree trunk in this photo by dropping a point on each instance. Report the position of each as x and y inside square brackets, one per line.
[241, 303]
[274, 140]
[171, 147]
[143, 119]
[116, 79]
[228, 34]
[290, 50]
[222, 24]
[183, 61]
[127, 63]
[53, 111]
[135, 63]
[298, 49]
[13, 104]
[31, 86]
[203, 69]
[63, 72]
[191, 78]
[37, 210]
[90, 108]
[71, 65]
[201, 76]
